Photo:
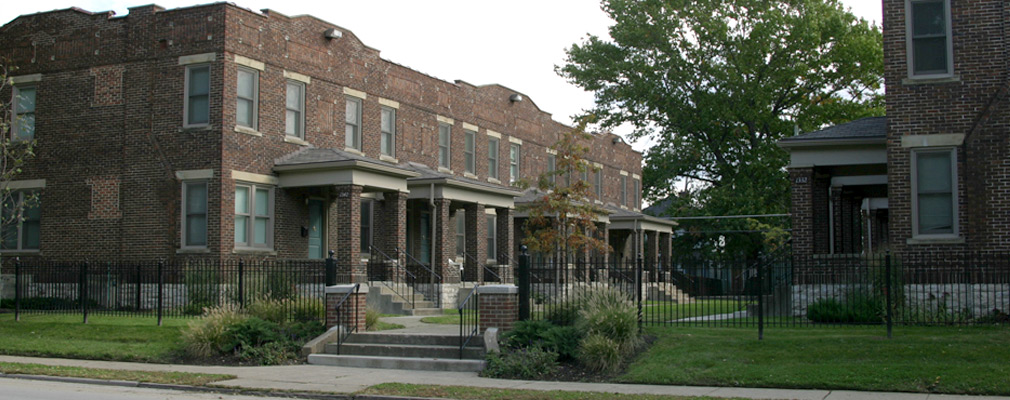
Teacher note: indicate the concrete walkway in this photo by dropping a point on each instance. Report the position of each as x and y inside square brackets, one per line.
[413, 324]
[342, 380]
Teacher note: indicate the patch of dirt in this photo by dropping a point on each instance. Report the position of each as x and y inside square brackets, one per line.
[574, 372]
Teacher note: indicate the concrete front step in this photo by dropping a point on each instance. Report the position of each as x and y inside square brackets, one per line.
[426, 311]
[406, 351]
[425, 364]
[404, 338]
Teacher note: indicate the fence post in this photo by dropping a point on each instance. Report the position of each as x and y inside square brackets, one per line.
[139, 286]
[887, 292]
[331, 269]
[638, 290]
[524, 284]
[17, 289]
[161, 289]
[82, 292]
[760, 299]
[241, 284]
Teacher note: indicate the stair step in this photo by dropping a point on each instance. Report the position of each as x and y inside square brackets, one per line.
[406, 351]
[426, 364]
[426, 311]
[404, 339]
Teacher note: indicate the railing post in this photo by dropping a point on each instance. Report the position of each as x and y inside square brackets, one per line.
[760, 299]
[638, 290]
[331, 269]
[161, 289]
[17, 289]
[887, 292]
[82, 291]
[139, 287]
[241, 284]
[524, 284]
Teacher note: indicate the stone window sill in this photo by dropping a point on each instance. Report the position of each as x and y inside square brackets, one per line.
[251, 250]
[937, 240]
[354, 151]
[247, 130]
[469, 175]
[386, 158]
[295, 140]
[445, 170]
[931, 81]
[195, 250]
[20, 252]
[196, 128]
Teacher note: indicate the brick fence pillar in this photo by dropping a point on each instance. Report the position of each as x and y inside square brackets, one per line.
[352, 311]
[498, 306]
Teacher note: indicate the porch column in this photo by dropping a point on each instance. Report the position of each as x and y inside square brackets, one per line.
[504, 243]
[802, 210]
[665, 246]
[603, 232]
[476, 242]
[443, 242]
[391, 226]
[344, 222]
[651, 253]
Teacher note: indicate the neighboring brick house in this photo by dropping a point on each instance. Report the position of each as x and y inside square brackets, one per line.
[930, 180]
[215, 131]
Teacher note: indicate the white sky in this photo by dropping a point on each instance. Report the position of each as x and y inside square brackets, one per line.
[515, 43]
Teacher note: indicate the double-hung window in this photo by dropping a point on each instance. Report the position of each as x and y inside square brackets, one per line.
[253, 216]
[930, 44]
[367, 213]
[22, 222]
[598, 184]
[197, 108]
[24, 112]
[352, 126]
[551, 167]
[934, 184]
[514, 151]
[492, 158]
[444, 132]
[194, 214]
[469, 149]
[634, 193]
[387, 142]
[294, 120]
[460, 233]
[624, 189]
[492, 235]
[246, 98]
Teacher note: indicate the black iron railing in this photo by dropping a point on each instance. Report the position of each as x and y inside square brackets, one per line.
[424, 280]
[469, 321]
[391, 273]
[347, 320]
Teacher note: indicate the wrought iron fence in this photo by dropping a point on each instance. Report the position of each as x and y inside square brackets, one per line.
[179, 288]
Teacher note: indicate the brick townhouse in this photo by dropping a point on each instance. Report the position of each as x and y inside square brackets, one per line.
[216, 131]
[930, 179]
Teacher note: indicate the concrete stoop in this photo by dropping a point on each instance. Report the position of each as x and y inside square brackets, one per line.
[404, 351]
[667, 292]
[386, 301]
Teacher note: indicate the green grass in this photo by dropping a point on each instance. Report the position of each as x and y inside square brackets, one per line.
[448, 317]
[173, 378]
[665, 311]
[969, 360]
[102, 338]
[385, 326]
[475, 393]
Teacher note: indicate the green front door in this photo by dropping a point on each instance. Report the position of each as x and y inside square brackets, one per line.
[316, 229]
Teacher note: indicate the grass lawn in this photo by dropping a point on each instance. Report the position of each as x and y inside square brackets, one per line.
[172, 378]
[665, 311]
[970, 360]
[448, 317]
[102, 338]
[473, 393]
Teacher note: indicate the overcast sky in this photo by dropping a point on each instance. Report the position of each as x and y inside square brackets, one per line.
[515, 43]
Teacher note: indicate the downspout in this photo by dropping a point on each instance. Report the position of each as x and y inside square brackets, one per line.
[831, 222]
[431, 244]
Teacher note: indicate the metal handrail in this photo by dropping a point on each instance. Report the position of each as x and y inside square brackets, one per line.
[465, 340]
[395, 278]
[353, 327]
[426, 268]
[466, 255]
[436, 296]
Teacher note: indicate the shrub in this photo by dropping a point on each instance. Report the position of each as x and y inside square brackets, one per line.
[565, 313]
[609, 313]
[203, 288]
[308, 309]
[209, 335]
[563, 340]
[371, 319]
[273, 353]
[301, 332]
[858, 308]
[268, 309]
[599, 353]
[252, 332]
[524, 363]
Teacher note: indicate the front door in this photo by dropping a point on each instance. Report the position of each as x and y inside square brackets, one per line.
[316, 229]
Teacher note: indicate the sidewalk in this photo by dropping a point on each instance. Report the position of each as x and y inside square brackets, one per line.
[348, 380]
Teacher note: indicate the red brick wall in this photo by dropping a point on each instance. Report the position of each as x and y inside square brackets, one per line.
[352, 312]
[498, 311]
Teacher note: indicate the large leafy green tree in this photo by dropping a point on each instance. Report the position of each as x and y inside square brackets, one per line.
[715, 84]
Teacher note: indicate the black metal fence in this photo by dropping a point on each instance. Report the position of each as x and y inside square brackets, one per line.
[161, 289]
[783, 289]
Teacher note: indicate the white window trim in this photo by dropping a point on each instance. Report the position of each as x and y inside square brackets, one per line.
[15, 119]
[255, 99]
[954, 195]
[182, 232]
[356, 140]
[185, 95]
[909, 48]
[492, 171]
[392, 134]
[19, 237]
[448, 147]
[251, 225]
[300, 134]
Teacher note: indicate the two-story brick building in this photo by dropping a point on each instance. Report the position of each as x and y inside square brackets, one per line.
[216, 131]
[930, 179]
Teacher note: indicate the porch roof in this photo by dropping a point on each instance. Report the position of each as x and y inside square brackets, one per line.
[626, 219]
[869, 130]
[447, 186]
[860, 142]
[332, 167]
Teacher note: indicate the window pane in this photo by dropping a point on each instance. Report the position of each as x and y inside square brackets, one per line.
[199, 81]
[30, 231]
[928, 18]
[260, 230]
[196, 230]
[933, 172]
[199, 109]
[25, 127]
[443, 135]
[387, 120]
[10, 236]
[244, 112]
[930, 55]
[351, 116]
[291, 123]
[262, 202]
[241, 200]
[246, 83]
[936, 214]
[294, 97]
[196, 199]
[386, 144]
[491, 234]
[351, 136]
[241, 229]
[26, 100]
